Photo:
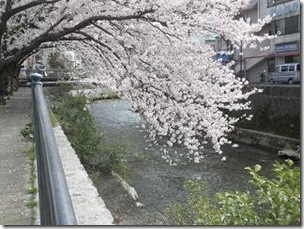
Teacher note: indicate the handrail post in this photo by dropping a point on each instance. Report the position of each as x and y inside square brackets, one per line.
[54, 198]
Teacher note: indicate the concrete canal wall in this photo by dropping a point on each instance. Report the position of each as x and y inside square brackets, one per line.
[266, 141]
[276, 119]
[284, 100]
[277, 110]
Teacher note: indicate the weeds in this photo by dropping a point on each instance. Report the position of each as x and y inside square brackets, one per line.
[31, 153]
[28, 131]
[79, 127]
[31, 204]
[95, 176]
[32, 190]
[53, 118]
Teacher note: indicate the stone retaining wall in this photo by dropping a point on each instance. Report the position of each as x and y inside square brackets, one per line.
[270, 142]
[277, 110]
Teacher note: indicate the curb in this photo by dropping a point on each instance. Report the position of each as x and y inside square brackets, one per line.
[89, 208]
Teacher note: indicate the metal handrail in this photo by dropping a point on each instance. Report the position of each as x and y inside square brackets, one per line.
[54, 198]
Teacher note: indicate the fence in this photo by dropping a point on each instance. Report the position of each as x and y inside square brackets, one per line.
[54, 198]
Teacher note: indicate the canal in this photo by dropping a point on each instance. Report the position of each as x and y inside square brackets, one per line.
[158, 184]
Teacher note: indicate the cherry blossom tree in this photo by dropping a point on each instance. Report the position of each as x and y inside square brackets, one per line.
[145, 50]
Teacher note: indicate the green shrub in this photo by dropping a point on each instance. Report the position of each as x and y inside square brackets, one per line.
[275, 202]
[78, 124]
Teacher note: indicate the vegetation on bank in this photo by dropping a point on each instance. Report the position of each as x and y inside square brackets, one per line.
[274, 202]
[78, 124]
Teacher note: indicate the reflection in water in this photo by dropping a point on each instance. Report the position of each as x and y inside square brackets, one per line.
[158, 184]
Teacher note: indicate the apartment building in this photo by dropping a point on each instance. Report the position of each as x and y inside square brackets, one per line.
[283, 49]
[286, 47]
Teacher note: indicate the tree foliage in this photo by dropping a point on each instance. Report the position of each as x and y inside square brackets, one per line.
[146, 50]
[274, 201]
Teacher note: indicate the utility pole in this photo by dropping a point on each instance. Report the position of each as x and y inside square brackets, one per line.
[241, 59]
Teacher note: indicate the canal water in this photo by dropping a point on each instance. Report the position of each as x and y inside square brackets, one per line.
[158, 184]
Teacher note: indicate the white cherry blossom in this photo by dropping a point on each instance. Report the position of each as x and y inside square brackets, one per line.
[144, 49]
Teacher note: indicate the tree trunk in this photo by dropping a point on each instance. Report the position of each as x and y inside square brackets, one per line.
[9, 76]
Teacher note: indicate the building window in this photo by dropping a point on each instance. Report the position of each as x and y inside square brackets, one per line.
[275, 2]
[293, 25]
[270, 3]
[280, 1]
[280, 26]
[271, 28]
[288, 59]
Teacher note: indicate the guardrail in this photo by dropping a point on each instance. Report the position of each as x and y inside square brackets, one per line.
[54, 198]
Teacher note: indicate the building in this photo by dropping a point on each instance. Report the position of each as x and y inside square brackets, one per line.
[283, 49]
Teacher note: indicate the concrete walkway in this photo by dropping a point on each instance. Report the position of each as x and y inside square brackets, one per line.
[15, 168]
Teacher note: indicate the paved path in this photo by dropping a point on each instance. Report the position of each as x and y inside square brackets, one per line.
[15, 166]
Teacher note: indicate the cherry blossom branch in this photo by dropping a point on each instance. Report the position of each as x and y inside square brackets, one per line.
[166, 34]
[9, 12]
[99, 42]
[55, 25]
[102, 29]
[46, 37]
[101, 52]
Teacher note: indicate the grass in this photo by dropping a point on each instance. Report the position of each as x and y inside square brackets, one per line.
[95, 176]
[53, 118]
[28, 133]
[31, 153]
[32, 190]
[31, 204]
[142, 157]
[79, 126]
